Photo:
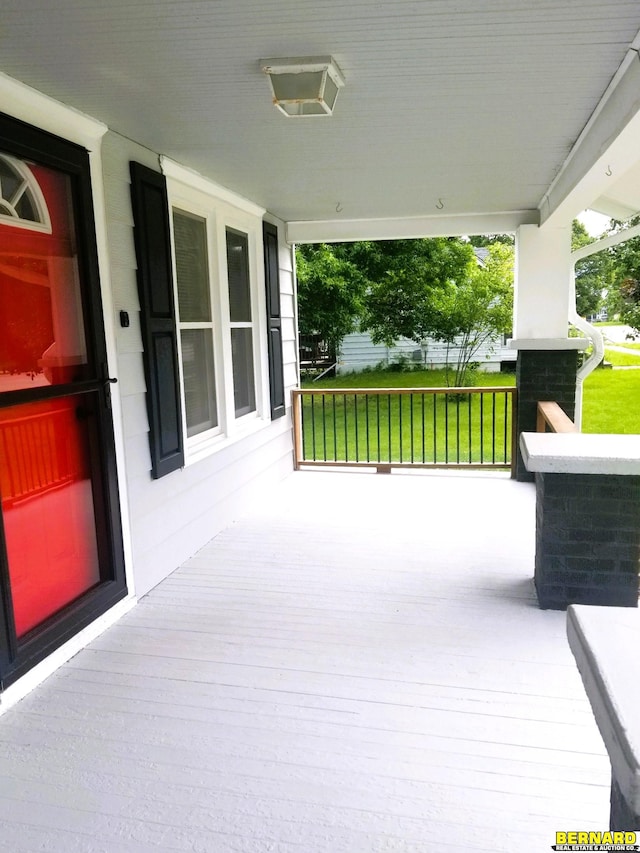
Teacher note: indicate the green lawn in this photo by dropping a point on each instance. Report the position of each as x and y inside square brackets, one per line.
[622, 359]
[611, 401]
[427, 429]
[408, 379]
[419, 428]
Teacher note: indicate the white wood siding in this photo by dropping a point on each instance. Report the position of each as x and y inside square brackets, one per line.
[358, 351]
[171, 518]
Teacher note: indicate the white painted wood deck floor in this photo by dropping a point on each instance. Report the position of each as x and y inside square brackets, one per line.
[359, 668]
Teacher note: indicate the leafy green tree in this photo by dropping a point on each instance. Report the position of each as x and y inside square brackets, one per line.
[592, 273]
[625, 280]
[414, 289]
[485, 240]
[403, 277]
[330, 291]
[471, 311]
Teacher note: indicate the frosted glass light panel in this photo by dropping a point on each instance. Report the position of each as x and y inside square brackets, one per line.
[304, 86]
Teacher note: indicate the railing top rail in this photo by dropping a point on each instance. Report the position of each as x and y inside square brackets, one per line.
[491, 389]
[550, 414]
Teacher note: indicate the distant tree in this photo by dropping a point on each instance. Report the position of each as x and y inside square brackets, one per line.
[330, 291]
[404, 276]
[479, 241]
[592, 273]
[472, 311]
[414, 289]
[625, 280]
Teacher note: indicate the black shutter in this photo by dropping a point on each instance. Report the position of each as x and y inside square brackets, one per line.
[158, 320]
[274, 320]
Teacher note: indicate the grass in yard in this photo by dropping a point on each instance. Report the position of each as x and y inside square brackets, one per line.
[419, 428]
[428, 429]
[611, 402]
[622, 359]
[405, 379]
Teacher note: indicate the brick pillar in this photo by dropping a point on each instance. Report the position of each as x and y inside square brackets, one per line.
[543, 375]
[622, 816]
[587, 539]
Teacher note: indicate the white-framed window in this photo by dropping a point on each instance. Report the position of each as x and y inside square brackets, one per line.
[241, 322]
[195, 322]
[220, 313]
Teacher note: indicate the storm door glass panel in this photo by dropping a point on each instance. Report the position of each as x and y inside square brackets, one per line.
[195, 318]
[241, 322]
[47, 505]
[42, 340]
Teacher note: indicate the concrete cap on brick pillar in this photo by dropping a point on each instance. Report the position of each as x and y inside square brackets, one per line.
[581, 453]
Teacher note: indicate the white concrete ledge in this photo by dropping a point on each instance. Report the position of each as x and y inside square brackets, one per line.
[581, 453]
[548, 343]
[605, 643]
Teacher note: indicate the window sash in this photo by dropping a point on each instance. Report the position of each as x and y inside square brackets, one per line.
[195, 322]
[198, 372]
[240, 315]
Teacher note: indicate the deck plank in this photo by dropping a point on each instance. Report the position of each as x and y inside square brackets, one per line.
[371, 677]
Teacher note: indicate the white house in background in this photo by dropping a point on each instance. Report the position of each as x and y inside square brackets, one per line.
[358, 352]
[150, 196]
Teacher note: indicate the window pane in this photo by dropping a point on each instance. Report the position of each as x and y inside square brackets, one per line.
[199, 380]
[243, 384]
[42, 339]
[238, 272]
[190, 236]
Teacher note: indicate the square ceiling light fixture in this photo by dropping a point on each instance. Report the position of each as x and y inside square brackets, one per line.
[304, 85]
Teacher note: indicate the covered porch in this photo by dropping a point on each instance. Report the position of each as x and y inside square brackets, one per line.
[359, 666]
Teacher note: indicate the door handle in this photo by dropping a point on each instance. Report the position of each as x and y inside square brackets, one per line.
[108, 382]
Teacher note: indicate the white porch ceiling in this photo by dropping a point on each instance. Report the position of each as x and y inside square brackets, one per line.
[449, 109]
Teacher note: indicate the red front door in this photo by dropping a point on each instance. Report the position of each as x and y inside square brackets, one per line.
[60, 547]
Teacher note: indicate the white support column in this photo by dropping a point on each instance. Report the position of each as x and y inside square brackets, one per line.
[542, 284]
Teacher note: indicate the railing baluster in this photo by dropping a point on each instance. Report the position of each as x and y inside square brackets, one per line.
[481, 428]
[389, 423]
[335, 431]
[355, 415]
[446, 428]
[313, 426]
[470, 398]
[423, 431]
[324, 426]
[411, 421]
[506, 411]
[458, 428]
[378, 422]
[400, 421]
[346, 429]
[435, 427]
[493, 427]
[366, 409]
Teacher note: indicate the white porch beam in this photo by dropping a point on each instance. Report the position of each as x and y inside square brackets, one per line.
[345, 230]
[542, 275]
[608, 146]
